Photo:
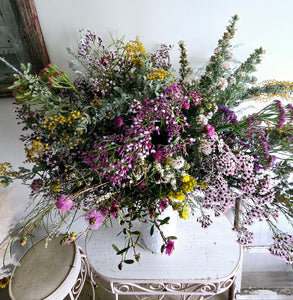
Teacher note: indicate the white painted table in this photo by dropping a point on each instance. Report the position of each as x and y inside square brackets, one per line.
[204, 262]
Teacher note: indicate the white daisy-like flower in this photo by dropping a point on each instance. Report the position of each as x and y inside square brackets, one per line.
[225, 65]
[205, 147]
[178, 162]
[202, 120]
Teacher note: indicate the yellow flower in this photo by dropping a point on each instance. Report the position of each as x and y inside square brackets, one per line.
[157, 74]
[4, 282]
[56, 186]
[183, 209]
[184, 213]
[185, 178]
[189, 185]
[179, 195]
[133, 51]
[204, 185]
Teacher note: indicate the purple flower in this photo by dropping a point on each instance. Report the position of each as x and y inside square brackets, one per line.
[169, 247]
[64, 203]
[36, 184]
[119, 122]
[210, 130]
[94, 218]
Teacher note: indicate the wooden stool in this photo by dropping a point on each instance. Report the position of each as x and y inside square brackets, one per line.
[50, 273]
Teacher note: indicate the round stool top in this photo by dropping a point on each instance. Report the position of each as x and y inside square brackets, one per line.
[42, 270]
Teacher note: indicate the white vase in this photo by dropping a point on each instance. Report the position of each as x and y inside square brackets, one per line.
[154, 242]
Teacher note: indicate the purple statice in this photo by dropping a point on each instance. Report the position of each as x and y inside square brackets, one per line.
[282, 114]
[94, 218]
[290, 108]
[36, 185]
[229, 116]
[283, 247]
[64, 203]
[115, 156]
[194, 96]
[161, 58]
[169, 247]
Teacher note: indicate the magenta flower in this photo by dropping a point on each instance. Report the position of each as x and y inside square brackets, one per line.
[185, 105]
[94, 218]
[163, 205]
[210, 130]
[64, 203]
[169, 247]
[119, 122]
[36, 184]
[158, 156]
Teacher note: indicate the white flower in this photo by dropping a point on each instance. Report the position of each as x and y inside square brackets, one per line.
[178, 162]
[232, 80]
[229, 55]
[217, 50]
[225, 65]
[202, 120]
[205, 147]
[222, 83]
[241, 74]
[189, 80]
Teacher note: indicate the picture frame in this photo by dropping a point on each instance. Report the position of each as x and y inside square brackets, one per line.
[21, 40]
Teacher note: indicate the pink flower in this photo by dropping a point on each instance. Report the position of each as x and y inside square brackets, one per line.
[36, 184]
[119, 122]
[210, 130]
[105, 60]
[94, 218]
[185, 105]
[64, 203]
[163, 205]
[158, 156]
[169, 247]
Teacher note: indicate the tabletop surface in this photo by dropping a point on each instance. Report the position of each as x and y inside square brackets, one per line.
[200, 254]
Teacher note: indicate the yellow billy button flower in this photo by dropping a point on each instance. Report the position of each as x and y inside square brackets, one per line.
[179, 195]
[189, 185]
[184, 213]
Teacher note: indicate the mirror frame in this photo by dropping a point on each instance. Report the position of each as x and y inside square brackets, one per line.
[33, 34]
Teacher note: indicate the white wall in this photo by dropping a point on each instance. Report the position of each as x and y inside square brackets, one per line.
[200, 23]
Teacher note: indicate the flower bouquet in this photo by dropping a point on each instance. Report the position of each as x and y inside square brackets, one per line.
[128, 138]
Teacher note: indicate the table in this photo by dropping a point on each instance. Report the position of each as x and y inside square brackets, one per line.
[204, 262]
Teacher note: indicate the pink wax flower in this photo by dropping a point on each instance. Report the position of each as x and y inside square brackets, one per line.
[185, 105]
[210, 130]
[94, 218]
[64, 203]
[119, 122]
[169, 247]
[36, 184]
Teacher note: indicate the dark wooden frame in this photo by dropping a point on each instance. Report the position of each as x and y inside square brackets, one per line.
[33, 34]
